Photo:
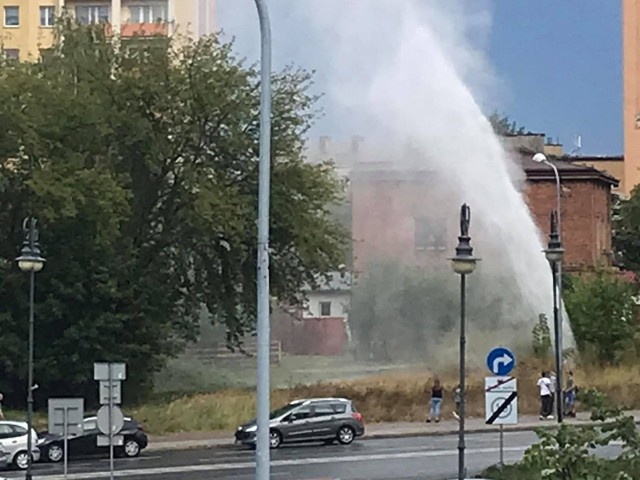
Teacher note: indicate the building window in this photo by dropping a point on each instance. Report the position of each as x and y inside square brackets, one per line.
[11, 53]
[11, 16]
[87, 14]
[47, 16]
[155, 13]
[430, 234]
[325, 309]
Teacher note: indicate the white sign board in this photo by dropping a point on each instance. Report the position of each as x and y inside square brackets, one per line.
[101, 371]
[116, 417]
[103, 441]
[116, 392]
[66, 416]
[501, 400]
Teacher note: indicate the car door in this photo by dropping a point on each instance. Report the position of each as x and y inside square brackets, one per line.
[85, 444]
[296, 426]
[12, 435]
[322, 420]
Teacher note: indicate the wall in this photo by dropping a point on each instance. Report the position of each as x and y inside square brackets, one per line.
[339, 303]
[586, 221]
[385, 207]
[309, 336]
[384, 214]
[631, 96]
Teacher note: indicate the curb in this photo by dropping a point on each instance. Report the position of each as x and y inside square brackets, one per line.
[228, 444]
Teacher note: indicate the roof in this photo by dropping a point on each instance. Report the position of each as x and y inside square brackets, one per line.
[566, 169]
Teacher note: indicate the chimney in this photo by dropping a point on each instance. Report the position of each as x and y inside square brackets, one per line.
[355, 143]
[324, 144]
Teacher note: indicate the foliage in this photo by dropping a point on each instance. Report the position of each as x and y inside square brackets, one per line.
[141, 164]
[541, 338]
[503, 125]
[568, 452]
[626, 230]
[604, 316]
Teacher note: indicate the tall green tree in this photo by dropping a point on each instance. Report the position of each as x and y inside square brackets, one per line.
[141, 163]
[626, 230]
[604, 317]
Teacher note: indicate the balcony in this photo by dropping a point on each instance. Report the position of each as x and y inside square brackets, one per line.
[140, 29]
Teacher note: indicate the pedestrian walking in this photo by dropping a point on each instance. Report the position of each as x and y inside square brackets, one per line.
[546, 397]
[436, 402]
[554, 389]
[457, 398]
[1, 413]
[570, 396]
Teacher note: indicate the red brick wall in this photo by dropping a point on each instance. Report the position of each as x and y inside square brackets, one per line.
[384, 212]
[586, 220]
[309, 336]
[383, 220]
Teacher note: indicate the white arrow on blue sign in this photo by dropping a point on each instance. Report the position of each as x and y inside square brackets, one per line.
[501, 361]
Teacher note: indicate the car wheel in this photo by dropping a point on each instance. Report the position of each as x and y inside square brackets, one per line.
[346, 435]
[55, 453]
[21, 460]
[131, 448]
[275, 439]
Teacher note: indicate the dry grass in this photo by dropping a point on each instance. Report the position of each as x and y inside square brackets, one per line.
[384, 398]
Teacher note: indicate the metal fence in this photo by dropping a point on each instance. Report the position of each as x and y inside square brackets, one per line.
[247, 350]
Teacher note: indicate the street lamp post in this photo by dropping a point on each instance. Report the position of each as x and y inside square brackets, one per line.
[464, 263]
[557, 289]
[30, 261]
[554, 254]
[263, 304]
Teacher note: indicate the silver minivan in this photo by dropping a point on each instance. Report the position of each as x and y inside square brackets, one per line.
[13, 445]
[324, 420]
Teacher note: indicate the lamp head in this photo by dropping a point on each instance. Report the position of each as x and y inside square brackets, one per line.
[30, 259]
[464, 262]
[540, 158]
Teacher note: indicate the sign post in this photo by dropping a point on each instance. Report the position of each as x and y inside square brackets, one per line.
[501, 392]
[66, 417]
[110, 418]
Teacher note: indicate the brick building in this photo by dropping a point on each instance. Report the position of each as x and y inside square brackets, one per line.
[398, 214]
[586, 208]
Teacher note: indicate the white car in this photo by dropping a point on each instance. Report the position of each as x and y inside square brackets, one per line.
[13, 445]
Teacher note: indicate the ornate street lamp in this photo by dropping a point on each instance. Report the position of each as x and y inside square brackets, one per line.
[464, 263]
[30, 261]
[555, 253]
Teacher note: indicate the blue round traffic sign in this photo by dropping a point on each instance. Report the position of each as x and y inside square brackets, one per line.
[501, 361]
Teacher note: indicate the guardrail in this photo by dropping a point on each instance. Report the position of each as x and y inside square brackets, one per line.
[249, 350]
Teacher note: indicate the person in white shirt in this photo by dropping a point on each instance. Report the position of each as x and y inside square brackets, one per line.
[546, 407]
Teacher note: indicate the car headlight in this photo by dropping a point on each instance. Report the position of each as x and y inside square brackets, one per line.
[251, 429]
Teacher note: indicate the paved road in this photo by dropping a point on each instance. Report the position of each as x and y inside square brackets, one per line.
[398, 459]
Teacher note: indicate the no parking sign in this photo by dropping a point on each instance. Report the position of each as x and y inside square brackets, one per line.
[501, 400]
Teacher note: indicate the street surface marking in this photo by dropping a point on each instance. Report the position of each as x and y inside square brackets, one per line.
[276, 463]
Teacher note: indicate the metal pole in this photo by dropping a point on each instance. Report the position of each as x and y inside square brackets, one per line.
[556, 330]
[501, 445]
[559, 343]
[32, 289]
[65, 412]
[463, 342]
[111, 468]
[263, 330]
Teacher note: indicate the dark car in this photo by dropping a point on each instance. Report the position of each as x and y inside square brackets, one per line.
[52, 446]
[314, 420]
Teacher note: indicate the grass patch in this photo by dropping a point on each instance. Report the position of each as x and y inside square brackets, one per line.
[393, 397]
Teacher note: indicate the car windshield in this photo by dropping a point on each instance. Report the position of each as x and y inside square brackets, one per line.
[283, 410]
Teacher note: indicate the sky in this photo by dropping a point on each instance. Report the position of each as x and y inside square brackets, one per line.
[556, 66]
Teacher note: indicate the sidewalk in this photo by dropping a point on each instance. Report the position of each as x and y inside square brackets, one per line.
[181, 441]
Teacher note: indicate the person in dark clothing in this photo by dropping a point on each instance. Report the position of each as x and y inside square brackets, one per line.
[436, 402]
